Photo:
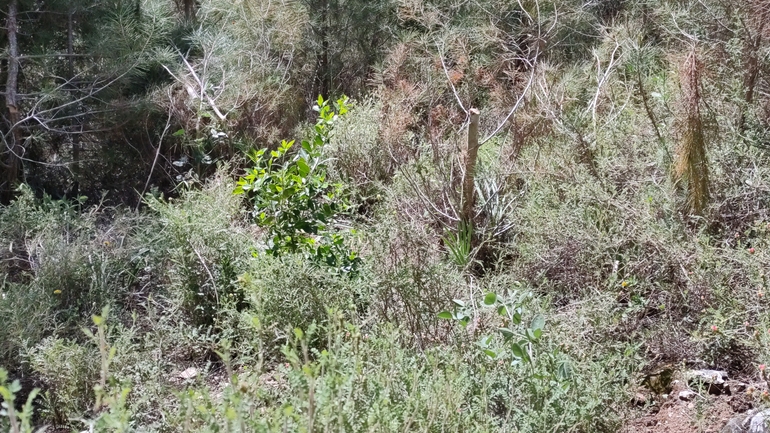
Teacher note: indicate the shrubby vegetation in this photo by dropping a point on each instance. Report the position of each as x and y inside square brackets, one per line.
[191, 239]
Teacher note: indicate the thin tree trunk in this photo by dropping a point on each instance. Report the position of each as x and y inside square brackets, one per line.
[189, 10]
[472, 151]
[70, 45]
[325, 69]
[648, 108]
[70, 77]
[13, 143]
[752, 49]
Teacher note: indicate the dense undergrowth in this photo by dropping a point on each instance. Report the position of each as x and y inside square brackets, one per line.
[185, 291]
[342, 290]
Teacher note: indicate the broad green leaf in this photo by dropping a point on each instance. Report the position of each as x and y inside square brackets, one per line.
[538, 322]
[304, 169]
[517, 351]
[485, 341]
[507, 333]
[15, 386]
[445, 315]
[490, 299]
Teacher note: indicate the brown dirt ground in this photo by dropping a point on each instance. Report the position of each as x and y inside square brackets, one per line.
[703, 414]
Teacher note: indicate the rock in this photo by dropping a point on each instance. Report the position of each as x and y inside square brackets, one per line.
[687, 395]
[735, 425]
[760, 423]
[736, 386]
[714, 379]
[639, 399]
[660, 380]
[190, 373]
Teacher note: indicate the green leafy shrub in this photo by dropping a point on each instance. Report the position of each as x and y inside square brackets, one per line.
[293, 200]
[12, 420]
[545, 372]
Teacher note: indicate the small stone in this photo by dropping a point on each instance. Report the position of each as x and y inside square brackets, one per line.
[190, 373]
[687, 395]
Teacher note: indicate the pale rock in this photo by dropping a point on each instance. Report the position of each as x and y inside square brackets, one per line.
[190, 373]
[760, 423]
[713, 379]
[733, 426]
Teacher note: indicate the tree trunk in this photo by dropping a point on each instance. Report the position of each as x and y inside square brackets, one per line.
[469, 190]
[189, 10]
[70, 46]
[70, 76]
[13, 142]
[751, 53]
[325, 69]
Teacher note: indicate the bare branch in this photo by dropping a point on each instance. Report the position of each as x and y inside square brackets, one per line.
[203, 93]
[601, 78]
[211, 276]
[157, 153]
[515, 107]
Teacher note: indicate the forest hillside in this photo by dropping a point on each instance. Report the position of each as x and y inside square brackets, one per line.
[393, 215]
